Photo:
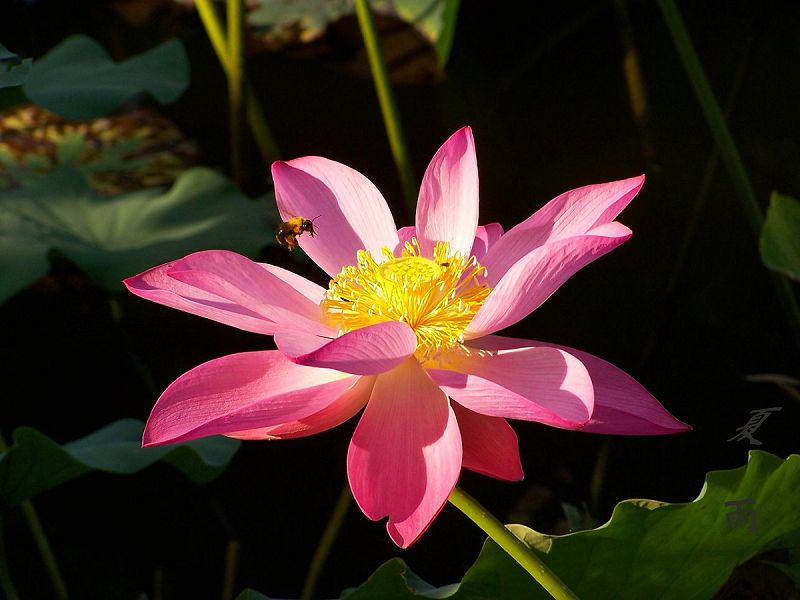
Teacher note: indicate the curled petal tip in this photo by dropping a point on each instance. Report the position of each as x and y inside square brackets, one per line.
[278, 166]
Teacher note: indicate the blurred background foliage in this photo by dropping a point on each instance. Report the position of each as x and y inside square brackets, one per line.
[98, 184]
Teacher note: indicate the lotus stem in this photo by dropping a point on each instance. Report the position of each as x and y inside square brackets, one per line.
[6, 583]
[727, 148]
[326, 542]
[514, 546]
[42, 543]
[391, 116]
[236, 104]
[267, 146]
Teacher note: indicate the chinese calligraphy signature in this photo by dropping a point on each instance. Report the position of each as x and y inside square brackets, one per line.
[749, 428]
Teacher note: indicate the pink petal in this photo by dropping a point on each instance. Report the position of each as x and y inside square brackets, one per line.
[336, 413]
[571, 214]
[155, 285]
[447, 209]
[239, 392]
[405, 455]
[491, 398]
[366, 351]
[546, 385]
[229, 288]
[490, 445]
[534, 278]
[241, 281]
[404, 234]
[622, 406]
[309, 289]
[485, 237]
[349, 212]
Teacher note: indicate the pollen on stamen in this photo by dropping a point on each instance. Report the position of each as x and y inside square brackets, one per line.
[437, 298]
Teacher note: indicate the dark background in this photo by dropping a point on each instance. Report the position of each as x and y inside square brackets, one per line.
[544, 89]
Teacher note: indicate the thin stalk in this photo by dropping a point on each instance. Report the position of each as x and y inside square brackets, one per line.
[448, 33]
[698, 206]
[267, 146]
[236, 104]
[232, 548]
[514, 546]
[708, 174]
[214, 30]
[599, 475]
[231, 567]
[631, 65]
[713, 114]
[326, 542]
[727, 148]
[42, 543]
[49, 559]
[391, 116]
[6, 583]
[259, 128]
[790, 391]
[158, 583]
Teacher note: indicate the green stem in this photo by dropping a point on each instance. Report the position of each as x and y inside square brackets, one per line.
[707, 179]
[49, 559]
[713, 114]
[235, 72]
[599, 475]
[326, 542]
[514, 546]
[631, 66]
[448, 33]
[40, 538]
[6, 583]
[231, 566]
[208, 15]
[727, 148]
[259, 127]
[391, 116]
[158, 583]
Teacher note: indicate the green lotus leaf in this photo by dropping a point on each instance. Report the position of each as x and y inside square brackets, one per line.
[648, 549]
[114, 238]
[35, 463]
[14, 74]
[78, 80]
[780, 237]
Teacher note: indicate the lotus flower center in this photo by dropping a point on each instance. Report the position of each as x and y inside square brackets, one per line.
[436, 297]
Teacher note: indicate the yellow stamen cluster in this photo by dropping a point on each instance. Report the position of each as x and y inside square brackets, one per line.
[437, 298]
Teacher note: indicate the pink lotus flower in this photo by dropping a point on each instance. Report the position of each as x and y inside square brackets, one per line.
[406, 329]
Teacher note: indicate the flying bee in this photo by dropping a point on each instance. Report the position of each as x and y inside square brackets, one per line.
[288, 231]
